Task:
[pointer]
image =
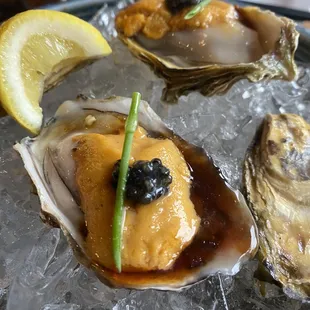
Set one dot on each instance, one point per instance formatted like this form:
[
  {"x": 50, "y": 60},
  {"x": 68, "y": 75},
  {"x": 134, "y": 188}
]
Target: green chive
[
  {"x": 130, "y": 128},
  {"x": 196, "y": 9}
]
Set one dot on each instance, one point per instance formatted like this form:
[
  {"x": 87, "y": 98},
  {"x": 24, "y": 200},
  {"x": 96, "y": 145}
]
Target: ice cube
[{"x": 48, "y": 277}]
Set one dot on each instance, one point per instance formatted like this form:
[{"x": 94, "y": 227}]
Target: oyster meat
[
  {"x": 211, "y": 51},
  {"x": 199, "y": 228},
  {"x": 277, "y": 180}
]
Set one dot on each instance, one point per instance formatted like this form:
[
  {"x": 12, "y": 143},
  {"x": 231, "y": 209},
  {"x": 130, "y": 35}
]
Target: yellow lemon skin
[{"x": 37, "y": 49}]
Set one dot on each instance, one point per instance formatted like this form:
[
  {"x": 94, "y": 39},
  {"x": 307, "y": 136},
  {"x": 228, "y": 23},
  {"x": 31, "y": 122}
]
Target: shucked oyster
[
  {"x": 211, "y": 51},
  {"x": 200, "y": 227},
  {"x": 277, "y": 183}
]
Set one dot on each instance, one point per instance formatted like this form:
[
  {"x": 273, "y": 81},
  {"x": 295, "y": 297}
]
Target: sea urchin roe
[
  {"x": 153, "y": 236},
  {"x": 154, "y": 20}
]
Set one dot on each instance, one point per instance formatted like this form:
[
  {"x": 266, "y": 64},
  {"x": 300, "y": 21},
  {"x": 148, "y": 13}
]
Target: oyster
[
  {"x": 212, "y": 229},
  {"x": 213, "y": 50},
  {"x": 277, "y": 183}
]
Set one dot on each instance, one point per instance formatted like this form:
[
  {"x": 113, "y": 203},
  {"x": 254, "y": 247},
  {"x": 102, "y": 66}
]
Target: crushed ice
[{"x": 46, "y": 276}]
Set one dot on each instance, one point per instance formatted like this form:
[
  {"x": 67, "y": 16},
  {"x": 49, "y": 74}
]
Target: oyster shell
[
  {"x": 259, "y": 45},
  {"x": 277, "y": 183},
  {"x": 227, "y": 235}
]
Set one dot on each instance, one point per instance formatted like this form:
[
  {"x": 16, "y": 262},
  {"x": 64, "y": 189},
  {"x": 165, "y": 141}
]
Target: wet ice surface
[{"x": 36, "y": 261}]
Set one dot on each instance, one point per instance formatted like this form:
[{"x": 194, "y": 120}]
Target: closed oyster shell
[
  {"x": 277, "y": 180},
  {"x": 277, "y": 36},
  {"x": 227, "y": 236}
]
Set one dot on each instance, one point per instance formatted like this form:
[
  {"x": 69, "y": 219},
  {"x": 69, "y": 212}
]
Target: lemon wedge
[{"x": 37, "y": 49}]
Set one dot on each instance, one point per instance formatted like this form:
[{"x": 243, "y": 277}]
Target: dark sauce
[
  {"x": 222, "y": 219},
  {"x": 224, "y": 223},
  {"x": 218, "y": 208}
]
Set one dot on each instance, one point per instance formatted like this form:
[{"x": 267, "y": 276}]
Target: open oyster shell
[
  {"x": 277, "y": 37},
  {"x": 277, "y": 184},
  {"x": 227, "y": 237}
]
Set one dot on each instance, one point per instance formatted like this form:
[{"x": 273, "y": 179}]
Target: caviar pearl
[
  {"x": 175, "y": 6},
  {"x": 147, "y": 180}
]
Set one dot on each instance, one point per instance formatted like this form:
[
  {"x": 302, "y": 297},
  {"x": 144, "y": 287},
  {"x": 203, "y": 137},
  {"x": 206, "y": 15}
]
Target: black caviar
[
  {"x": 174, "y": 6},
  {"x": 146, "y": 182}
]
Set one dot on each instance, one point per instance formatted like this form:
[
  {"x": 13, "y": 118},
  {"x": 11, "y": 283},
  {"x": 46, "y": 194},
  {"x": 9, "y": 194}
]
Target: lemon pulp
[{"x": 38, "y": 48}]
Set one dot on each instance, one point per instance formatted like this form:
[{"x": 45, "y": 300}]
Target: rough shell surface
[
  {"x": 277, "y": 180},
  {"x": 280, "y": 42},
  {"x": 60, "y": 205}
]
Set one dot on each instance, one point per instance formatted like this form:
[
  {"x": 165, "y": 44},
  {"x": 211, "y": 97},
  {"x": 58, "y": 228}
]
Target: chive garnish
[
  {"x": 130, "y": 128},
  {"x": 196, "y": 9}
]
